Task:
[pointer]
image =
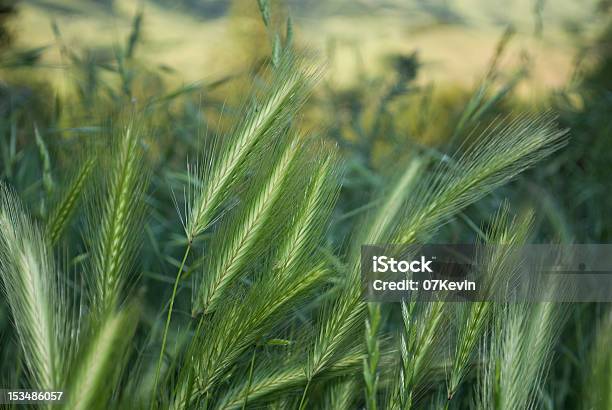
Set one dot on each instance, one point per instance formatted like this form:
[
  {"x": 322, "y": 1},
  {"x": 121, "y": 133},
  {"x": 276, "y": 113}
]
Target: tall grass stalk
[
  {"x": 380, "y": 230},
  {"x": 503, "y": 151},
  {"x": 598, "y": 386},
  {"x": 517, "y": 359},
  {"x": 235, "y": 248},
  {"x": 420, "y": 335},
  {"x": 264, "y": 121},
  {"x": 292, "y": 275},
  {"x": 30, "y": 284},
  {"x": 121, "y": 203},
  {"x": 311, "y": 217},
  {"x": 98, "y": 367},
  {"x": 235, "y": 327},
  {"x": 61, "y": 213},
  {"x": 499, "y": 269}
]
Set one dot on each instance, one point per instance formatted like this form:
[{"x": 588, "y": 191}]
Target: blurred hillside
[{"x": 203, "y": 39}]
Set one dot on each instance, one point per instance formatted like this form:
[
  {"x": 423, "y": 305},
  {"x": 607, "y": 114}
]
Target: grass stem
[
  {"x": 167, "y": 325},
  {"x": 246, "y": 397},
  {"x": 303, "y": 399}
]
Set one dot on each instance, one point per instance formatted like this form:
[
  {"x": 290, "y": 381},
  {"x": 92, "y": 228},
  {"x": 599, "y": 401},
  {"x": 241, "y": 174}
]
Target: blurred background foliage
[{"x": 401, "y": 79}]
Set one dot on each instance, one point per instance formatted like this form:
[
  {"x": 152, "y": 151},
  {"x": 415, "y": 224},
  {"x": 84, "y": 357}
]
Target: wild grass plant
[{"x": 134, "y": 280}]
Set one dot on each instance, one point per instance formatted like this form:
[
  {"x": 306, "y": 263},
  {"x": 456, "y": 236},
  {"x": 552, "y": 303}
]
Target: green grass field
[{"x": 185, "y": 189}]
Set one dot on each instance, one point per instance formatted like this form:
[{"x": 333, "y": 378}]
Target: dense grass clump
[{"x": 161, "y": 252}]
